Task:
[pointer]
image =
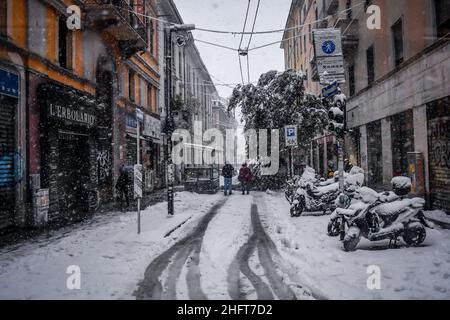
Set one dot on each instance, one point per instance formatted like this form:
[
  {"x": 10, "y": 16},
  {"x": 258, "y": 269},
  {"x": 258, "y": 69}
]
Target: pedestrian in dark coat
[
  {"x": 245, "y": 177},
  {"x": 227, "y": 173},
  {"x": 122, "y": 186}
]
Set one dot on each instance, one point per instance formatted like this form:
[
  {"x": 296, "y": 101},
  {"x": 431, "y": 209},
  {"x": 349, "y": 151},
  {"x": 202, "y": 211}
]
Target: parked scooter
[
  {"x": 386, "y": 216},
  {"x": 315, "y": 196}
]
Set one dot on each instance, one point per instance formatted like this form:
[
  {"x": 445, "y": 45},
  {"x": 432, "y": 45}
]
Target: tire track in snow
[
  {"x": 151, "y": 287},
  {"x": 264, "y": 245}
]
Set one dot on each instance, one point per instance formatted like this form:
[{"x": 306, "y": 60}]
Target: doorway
[{"x": 73, "y": 175}]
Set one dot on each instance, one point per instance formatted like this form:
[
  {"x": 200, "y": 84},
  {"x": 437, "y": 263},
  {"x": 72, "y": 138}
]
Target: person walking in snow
[
  {"x": 122, "y": 187},
  {"x": 227, "y": 173},
  {"x": 245, "y": 176}
]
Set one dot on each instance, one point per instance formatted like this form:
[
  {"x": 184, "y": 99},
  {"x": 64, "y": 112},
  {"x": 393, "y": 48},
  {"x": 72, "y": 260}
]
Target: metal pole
[
  {"x": 170, "y": 205},
  {"x": 291, "y": 156},
  {"x": 138, "y": 144},
  {"x": 341, "y": 163}
]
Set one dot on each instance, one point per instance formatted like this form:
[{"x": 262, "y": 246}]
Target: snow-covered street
[{"x": 238, "y": 247}]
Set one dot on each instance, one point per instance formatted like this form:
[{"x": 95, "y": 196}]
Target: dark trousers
[
  {"x": 123, "y": 193},
  {"x": 245, "y": 187}
]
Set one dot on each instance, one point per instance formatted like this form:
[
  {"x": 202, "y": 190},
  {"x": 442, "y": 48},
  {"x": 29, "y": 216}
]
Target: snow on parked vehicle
[{"x": 315, "y": 196}]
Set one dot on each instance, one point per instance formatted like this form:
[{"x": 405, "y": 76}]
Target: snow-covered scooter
[
  {"x": 313, "y": 196},
  {"x": 389, "y": 216}
]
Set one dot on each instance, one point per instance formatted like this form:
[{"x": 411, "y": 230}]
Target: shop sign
[
  {"x": 152, "y": 127},
  {"x": 9, "y": 84},
  {"x": 131, "y": 123},
  {"x": 72, "y": 115}
]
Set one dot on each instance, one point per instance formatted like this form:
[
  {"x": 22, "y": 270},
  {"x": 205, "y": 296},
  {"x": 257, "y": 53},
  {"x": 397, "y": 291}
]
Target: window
[
  {"x": 442, "y": 8},
  {"x": 375, "y": 154},
  {"x": 150, "y": 98},
  {"x": 64, "y": 44},
  {"x": 348, "y": 7},
  {"x": 370, "y": 65},
  {"x": 131, "y": 85},
  {"x": 351, "y": 80},
  {"x": 310, "y": 34},
  {"x": 151, "y": 36},
  {"x": 397, "y": 33},
  {"x": 3, "y": 17},
  {"x": 402, "y": 133},
  {"x": 180, "y": 66}
]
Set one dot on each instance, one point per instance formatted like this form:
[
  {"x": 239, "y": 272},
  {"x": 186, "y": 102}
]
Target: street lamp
[{"x": 169, "y": 121}]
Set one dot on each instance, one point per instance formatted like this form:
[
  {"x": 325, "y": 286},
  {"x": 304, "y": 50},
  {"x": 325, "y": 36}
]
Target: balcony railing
[
  {"x": 120, "y": 19},
  {"x": 331, "y": 6},
  {"x": 350, "y": 33}
]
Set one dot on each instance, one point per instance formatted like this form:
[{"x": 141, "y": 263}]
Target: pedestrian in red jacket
[{"x": 245, "y": 176}]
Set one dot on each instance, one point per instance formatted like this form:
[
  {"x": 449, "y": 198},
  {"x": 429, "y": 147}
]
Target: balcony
[
  {"x": 331, "y": 6},
  {"x": 350, "y": 34},
  {"x": 121, "y": 21}
]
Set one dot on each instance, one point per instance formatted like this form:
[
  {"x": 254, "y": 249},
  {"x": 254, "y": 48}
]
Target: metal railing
[{"x": 125, "y": 11}]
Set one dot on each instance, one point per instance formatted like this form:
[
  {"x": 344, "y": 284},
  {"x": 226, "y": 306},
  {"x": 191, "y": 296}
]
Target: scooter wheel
[
  {"x": 333, "y": 228},
  {"x": 296, "y": 211},
  {"x": 351, "y": 239},
  {"x": 414, "y": 234}
]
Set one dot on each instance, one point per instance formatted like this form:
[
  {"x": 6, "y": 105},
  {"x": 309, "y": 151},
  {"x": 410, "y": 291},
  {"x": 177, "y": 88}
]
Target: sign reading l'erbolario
[{"x": 69, "y": 114}]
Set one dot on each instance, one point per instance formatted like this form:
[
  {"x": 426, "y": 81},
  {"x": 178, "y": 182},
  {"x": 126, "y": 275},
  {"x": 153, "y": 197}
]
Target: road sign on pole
[
  {"x": 138, "y": 168},
  {"x": 330, "y": 90},
  {"x": 328, "y": 55},
  {"x": 327, "y": 42},
  {"x": 138, "y": 193},
  {"x": 331, "y": 69},
  {"x": 290, "y": 133}
]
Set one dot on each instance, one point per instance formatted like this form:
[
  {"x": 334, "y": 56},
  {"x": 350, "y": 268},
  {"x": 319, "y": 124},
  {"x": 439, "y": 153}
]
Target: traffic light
[{"x": 336, "y": 116}]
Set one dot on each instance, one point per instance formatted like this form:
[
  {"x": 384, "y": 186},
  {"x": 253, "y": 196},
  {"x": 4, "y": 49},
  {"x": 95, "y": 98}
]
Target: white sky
[{"x": 229, "y": 15}]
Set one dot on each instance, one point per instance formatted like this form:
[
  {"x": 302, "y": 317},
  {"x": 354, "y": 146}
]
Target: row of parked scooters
[{"x": 360, "y": 211}]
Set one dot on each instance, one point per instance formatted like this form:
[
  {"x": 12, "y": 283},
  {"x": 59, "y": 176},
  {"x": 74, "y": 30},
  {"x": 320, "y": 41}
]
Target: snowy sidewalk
[
  {"x": 406, "y": 273},
  {"x": 110, "y": 254}
]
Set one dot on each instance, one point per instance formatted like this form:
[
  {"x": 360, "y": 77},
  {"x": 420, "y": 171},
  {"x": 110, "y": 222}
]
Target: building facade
[
  {"x": 67, "y": 101},
  {"x": 192, "y": 89},
  {"x": 396, "y": 88}
]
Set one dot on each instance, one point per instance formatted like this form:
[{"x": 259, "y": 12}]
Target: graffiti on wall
[
  {"x": 11, "y": 169},
  {"x": 440, "y": 142},
  {"x": 104, "y": 165}
]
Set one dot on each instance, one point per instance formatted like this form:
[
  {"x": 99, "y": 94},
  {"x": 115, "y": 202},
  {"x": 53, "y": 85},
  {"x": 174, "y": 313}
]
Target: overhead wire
[
  {"x": 250, "y": 39},
  {"x": 242, "y": 39},
  {"x": 245, "y": 32}
]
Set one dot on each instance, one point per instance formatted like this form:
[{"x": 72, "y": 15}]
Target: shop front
[
  {"x": 438, "y": 114},
  {"x": 152, "y": 153},
  {"x": 150, "y": 149},
  {"x": 68, "y": 144}
]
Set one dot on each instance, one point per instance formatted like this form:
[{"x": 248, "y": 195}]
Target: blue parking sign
[
  {"x": 291, "y": 132},
  {"x": 291, "y": 135}
]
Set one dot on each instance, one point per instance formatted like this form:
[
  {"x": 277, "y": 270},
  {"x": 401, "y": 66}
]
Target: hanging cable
[
  {"x": 240, "y": 67},
  {"x": 216, "y": 45},
  {"x": 244, "y": 32},
  {"x": 240, "y": 51},
  {"x": 245, "y": 24},
  {"x": 250, "y": 39}
]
